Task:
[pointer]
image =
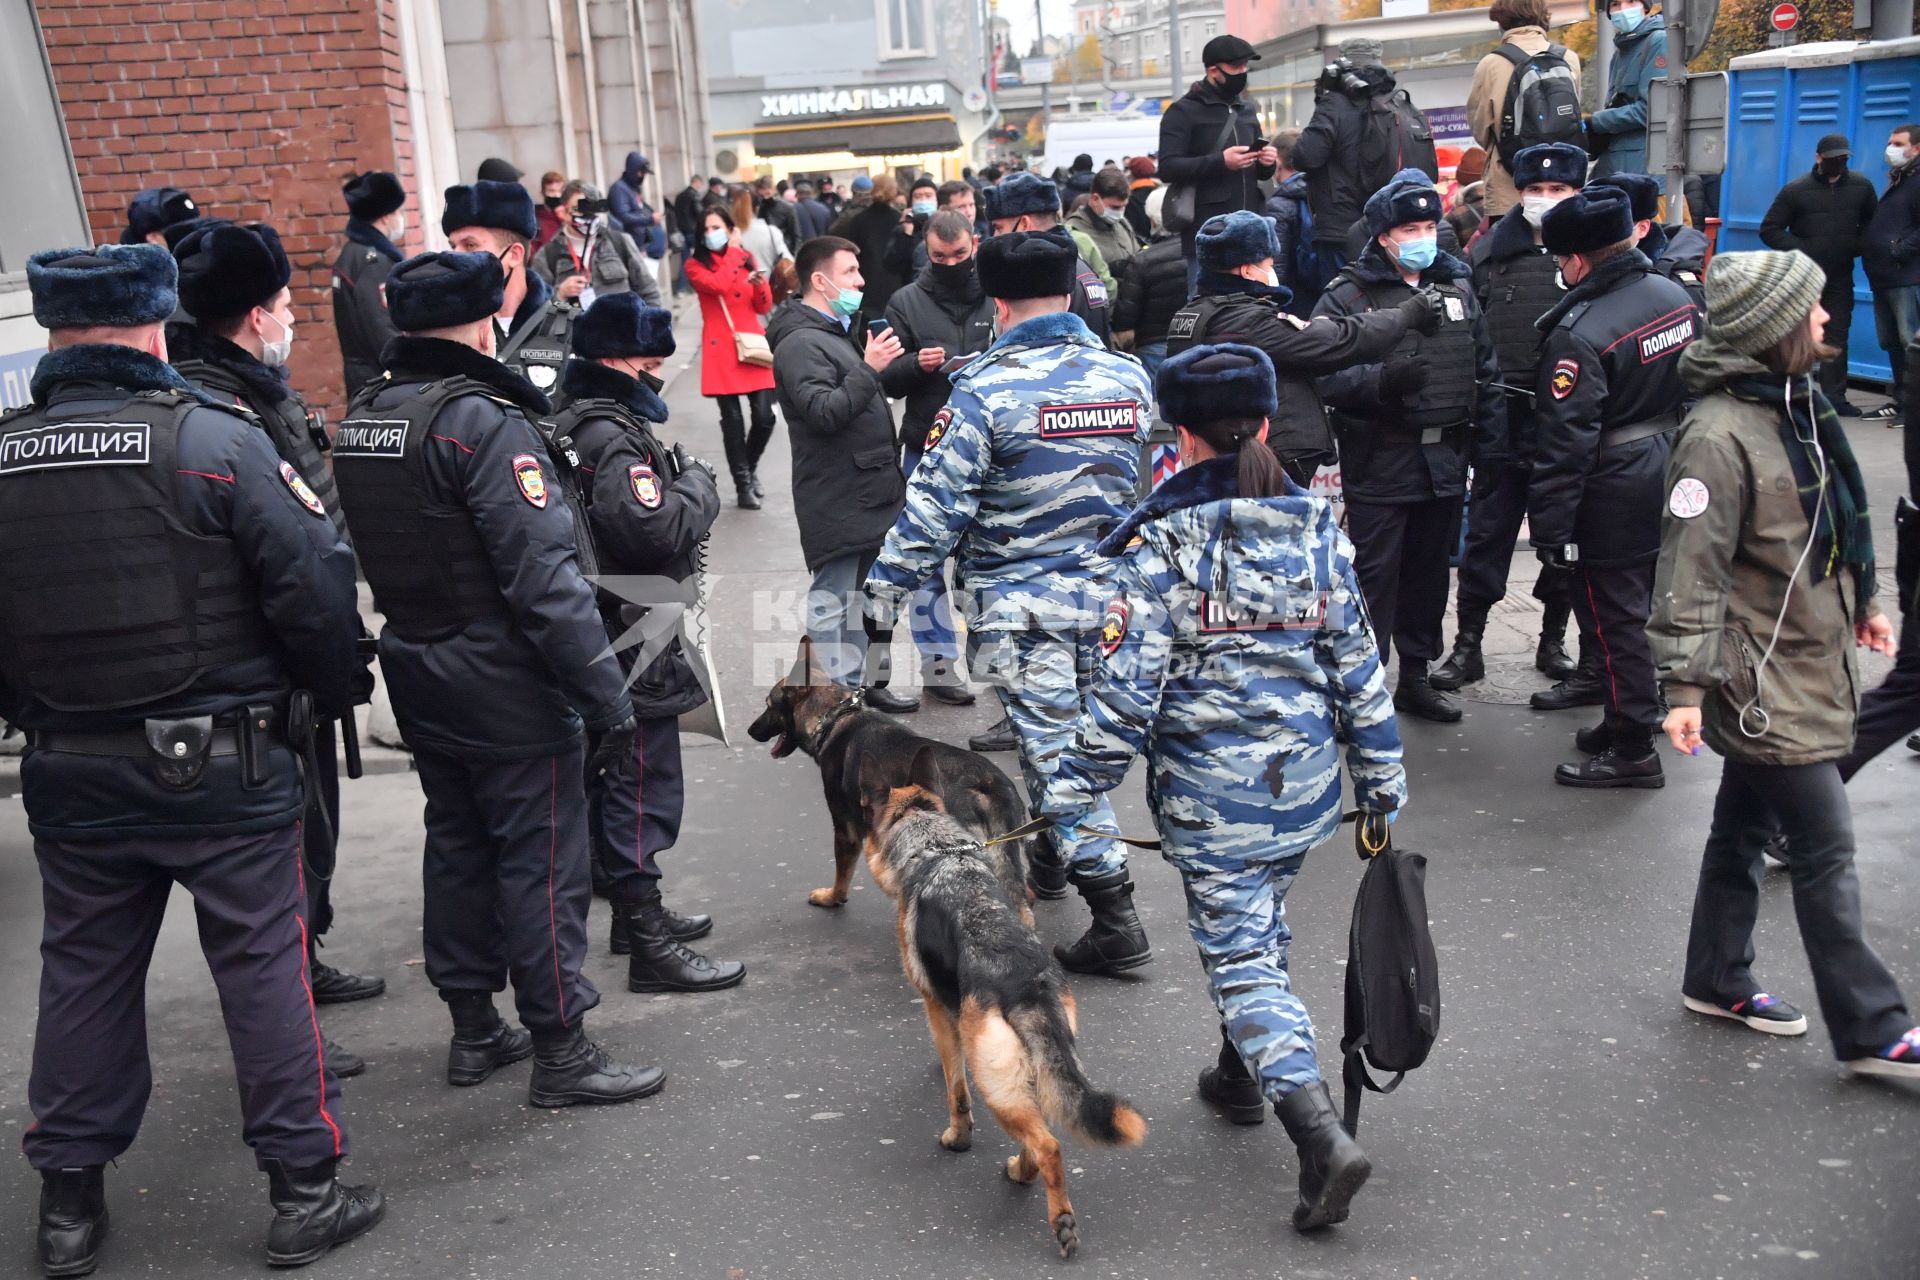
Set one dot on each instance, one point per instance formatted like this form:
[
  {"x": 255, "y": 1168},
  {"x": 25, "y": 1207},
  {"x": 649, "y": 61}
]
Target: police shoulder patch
[
  {"x": 938, "y": 431},
  {"x": 1113, "y": 627},
  {"x": 531, "y": 479},
  {"x": 646, "y": 485},
  {"x": 1566, "y": 376},
  {"x": 301, "y": 489}
]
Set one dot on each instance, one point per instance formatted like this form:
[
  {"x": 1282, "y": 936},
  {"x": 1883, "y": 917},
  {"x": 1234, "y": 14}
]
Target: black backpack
[
  {"x": 1393, "y": 975},
  {"x": 1394, "y": 135},
  {"x": 1543, "y": 101}
]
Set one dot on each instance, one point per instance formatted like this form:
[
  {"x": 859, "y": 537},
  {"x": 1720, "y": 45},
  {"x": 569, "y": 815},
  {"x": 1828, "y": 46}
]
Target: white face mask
[
  {"x": 1896, "y": 156},
  {"x": 1534, "y": 208},
  {"x": 1273, "y": 278},
  {"x": 274, "y": 354},
  {"x": 399, "y": 227}
]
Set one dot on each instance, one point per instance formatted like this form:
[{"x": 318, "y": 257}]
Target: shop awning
[{"x": 885, "y": 136}]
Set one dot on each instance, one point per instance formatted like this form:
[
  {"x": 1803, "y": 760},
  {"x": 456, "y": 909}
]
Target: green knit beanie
[{"x": 1755, "y": 299}]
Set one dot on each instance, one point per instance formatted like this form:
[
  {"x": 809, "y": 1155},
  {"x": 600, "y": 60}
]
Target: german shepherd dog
[
  {"x": 996, "y": 1000},
  {"x": 811, "y": 714}
]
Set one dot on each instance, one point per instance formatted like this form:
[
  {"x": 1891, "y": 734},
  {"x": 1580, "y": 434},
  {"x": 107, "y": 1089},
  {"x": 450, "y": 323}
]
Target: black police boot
[
  {"x": 1581, "y": 689},
  {"x": 1115, "y": 941},
  {"x": 943, "y": 684},
  {"x": 1466, "y": 664},
  {"x": 482, "y": 1040},
  {"x": 342, "y": 1061},
  {"x": 1417, "y": 697},
  {"x": 313, "y": 1212},
  {"x": 1332, "y": 1165},
  {"x": 73, "y": 1219},
  {"x": 680, "y": 928},
  {"x": 1231, "y": 1089},
  {"x": 1046, "y": 869},
  {"x": 661, "y": 962},
  {"x": 1629, "y": 762},
  {"x": 336, "y": 986},
  {"x": 569, "y": 1069},
  {"x": 1550, "y": 657},
  {"x": 743, "y": 490},
  {"x": 998, "y": 736},
  {"x": 1594, "y": 739},
  {"x": 894, "y": 703}
]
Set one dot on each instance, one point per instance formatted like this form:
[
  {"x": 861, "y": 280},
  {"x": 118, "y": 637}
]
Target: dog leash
[{"x": 1026, "y": 829}]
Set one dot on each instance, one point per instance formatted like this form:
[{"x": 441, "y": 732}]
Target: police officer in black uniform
[
  {"x": 375, "y": 223},
  {"x": 1678, "y": 253},
  {"x": 650, "y": 509},
  {"x": 1517, "y": 283},
  {"x": 1241, "y": 300},
  {"x": 1606, "y": 406},
  {"x": 175, "y": 606},
  {"x": 233, "y": 279},
  {"x": 492, "y": 653},
  {"x": 534, "y": 329},
  {"x": 1408, "y": 428},
  {"x": 1028, "y": 202}
]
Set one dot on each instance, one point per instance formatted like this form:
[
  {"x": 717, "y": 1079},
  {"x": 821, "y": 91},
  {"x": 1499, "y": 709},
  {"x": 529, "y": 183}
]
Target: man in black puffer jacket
[
  {"x": 1825, "y": 215},
  {"x": 1153, "y": 290},
  {"x": 492, "y": 651},
  {"x": 1207, "y": 137},
  {"x": 650, "y": 509}
]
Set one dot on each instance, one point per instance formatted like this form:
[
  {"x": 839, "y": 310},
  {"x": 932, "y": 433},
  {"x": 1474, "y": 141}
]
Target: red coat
[{"x": 726, "y": 279}]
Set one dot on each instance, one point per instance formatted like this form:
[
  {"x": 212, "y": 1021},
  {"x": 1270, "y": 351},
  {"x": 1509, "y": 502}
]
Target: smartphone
[
  {"x": 1261, "y": 144},
  {"x": 877, "y": 327}
]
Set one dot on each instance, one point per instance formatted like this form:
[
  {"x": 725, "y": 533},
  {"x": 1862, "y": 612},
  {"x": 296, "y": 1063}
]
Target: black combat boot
[
  {"x": 482, "y": 1040},
  {"x": 1332, "y": 1165},
  {"x": 569, "y": 1069},
  {"x": 1046, "y": 869},
  {"x": 342, "y": 1061},
  {"x": 1550, "y": 657},
  {"x": 1594, "y": 739},
  {"x": 1466, "y": 664},
  {"x": 313, "y": 1212},
  {"x": 337, "y": 986},
  {"x": 944, "y": 684},
  {"x": 661, "y": 962},
  {"x": 1581, "y": 689},
  {"x": 999, "y": 736},
  {"x": 744, "y": 491},
  {"x": 1115, "y": 941},
  {"x": 1230, "y": 1088},
  {"x": 680, "y": 928},
  {"x": 1629, "y": 761},
  {"x": 73, "y": 1219},
  {"x": 1417, "y": 697}
]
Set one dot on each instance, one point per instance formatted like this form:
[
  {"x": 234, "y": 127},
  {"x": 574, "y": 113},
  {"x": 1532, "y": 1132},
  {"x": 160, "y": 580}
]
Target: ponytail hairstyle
[{"x": 1260, "y": 475}]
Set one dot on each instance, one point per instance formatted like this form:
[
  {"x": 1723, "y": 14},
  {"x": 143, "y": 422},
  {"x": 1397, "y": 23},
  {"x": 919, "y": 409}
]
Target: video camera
[
  {"x": 591, "y": 208},
  {"x": 1341, "y": 74}
]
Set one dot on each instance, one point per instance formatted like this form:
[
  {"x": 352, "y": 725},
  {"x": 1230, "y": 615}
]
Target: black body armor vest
[
  {"x": 1448, "y": 354},
  {"x": 109, "y": 600},
  {"x": 298, "y": 433},
  {"x": 1520, "y": 290}
]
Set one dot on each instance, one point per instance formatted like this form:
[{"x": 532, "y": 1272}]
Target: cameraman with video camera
[{"x": 592, "y": 257}]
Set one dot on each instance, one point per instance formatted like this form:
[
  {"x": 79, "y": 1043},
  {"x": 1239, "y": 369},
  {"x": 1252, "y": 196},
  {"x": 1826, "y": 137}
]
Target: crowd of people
[{"x": 1537, "y": 341}]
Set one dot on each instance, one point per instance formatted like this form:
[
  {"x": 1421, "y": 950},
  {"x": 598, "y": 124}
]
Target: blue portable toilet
[{"x": 1780, "y": 104}]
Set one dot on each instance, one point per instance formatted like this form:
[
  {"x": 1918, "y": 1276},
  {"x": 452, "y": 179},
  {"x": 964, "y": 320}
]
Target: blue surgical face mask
[
  {"x": 1417, "y": 255},
  {"x": 924, "y": 208},
  {"x": 847, "y": 302},
  {"x": 1628, "y": 20},
  {"x": 716, "y": 240}
]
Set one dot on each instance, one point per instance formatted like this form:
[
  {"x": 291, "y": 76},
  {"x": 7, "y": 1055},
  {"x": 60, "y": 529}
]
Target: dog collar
[{"x": 831, "y": 721}]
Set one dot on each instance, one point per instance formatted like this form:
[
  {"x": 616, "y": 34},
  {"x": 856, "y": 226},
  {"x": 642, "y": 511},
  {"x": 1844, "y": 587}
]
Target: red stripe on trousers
[
  {"x": 553, "y": 843},
  {"x": 306, "y": 983},
  {"x": 1606, "y": 652}
]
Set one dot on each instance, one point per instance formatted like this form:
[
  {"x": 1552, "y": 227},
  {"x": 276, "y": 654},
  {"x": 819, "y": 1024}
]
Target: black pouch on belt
[
  {"x": 180, "y": 749},
  {"x": 253, "y": 732}
]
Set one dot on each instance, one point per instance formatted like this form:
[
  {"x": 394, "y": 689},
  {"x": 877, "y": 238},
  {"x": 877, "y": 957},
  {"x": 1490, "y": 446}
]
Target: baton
[{"x": 350, "y": 745}]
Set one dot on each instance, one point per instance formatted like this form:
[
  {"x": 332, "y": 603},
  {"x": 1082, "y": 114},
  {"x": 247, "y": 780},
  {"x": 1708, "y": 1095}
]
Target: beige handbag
[{"x": 748, "y": 348}]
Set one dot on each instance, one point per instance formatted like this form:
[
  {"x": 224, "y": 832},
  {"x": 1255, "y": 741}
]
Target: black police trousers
[
  {"x": 634, "y": 811},
  {"x": 507, "y": 882},
  {"x": 104, "y": 901},
  {"x": 1400, "y": 556},
  {"x": 1493, "y": 531},
  {"x": 1612, "y": 605}
]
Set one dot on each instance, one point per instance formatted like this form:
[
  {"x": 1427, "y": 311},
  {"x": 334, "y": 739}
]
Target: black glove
[
  {"x": 1425, "y": 310},
  {"x": 1486, "y": 478},
  {"x": 1555, "y": 558},
  {"x": 615, "y": 745},
  {"x": 687, "y": 462},
  {"x": 1402, "y": 378}
]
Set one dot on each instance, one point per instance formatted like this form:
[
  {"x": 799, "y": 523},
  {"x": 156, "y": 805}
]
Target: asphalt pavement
[{"x": 1573, "y": 1121}]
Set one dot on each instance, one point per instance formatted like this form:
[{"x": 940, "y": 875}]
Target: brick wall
[{"x": 259, "y": 109}]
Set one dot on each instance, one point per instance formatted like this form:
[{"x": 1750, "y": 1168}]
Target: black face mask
[
  {"x": 649, "y": 381},
  {"x": 953, "y": 277},
  {"x": 1232, "y": 85},
  {"x": 1833, "y": 166},
  {"x": 554, "y": 202}
]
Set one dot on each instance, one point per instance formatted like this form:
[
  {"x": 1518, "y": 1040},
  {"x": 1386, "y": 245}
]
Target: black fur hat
[
  {"x": 1549, "y": 162},
  {"x": 622, "y": 324},
  {"x": 178, "y": 231},
  {"x": 228, "y": 269},
  {"x": 502, "y": 205},
  {"x": 444, "y": 290},
  {"x": 1210, "y": 383},
  {"x": 1230, "y": 240},
  {"x": 1589, "y": 220},
  {"x": 120, "y": 286},
  {"x": 156, "y": 209},
  {"x": 1409, "y": 196},
  {"x": 1642, "y": 192},
  {"x": 1027, "y": 264},
  {"x": 1018, "y": 194},
  {"x": 373, "y": 195}
]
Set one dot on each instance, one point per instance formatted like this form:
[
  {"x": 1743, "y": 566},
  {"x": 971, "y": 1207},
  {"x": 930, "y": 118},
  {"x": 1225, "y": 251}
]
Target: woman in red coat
[{"x": 733, "y": 293}]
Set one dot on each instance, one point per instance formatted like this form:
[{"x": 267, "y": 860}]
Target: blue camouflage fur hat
[
  {"x": 1237, "y": 239},
  {"x": 1409, "y": 196},
  {"x": 1021, "y": 193},
  {"x": 621, "y": 325},
  {"x": 1549, "y": 162},
  {"x": 1588, "y": 220},
  {"x": 1642, "y": 192},
  {"x": 116, "y": 286},
  {"x": 502, "y": 205},
  {"x": 444, "y": 290},
  {"x": 1215, "y": 383}
]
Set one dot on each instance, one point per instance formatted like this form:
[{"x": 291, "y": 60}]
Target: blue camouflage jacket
[
  {"x": 1237, "y": 654},
  {"x": 1030, "y": 464}
]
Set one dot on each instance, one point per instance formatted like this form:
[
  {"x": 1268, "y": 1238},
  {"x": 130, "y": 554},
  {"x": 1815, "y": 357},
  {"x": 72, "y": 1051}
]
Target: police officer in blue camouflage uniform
[
  {"x": 1031, "y": 463},
  {"x": 1028, "y": 202},
  {"x": 1236, "y": 652}
]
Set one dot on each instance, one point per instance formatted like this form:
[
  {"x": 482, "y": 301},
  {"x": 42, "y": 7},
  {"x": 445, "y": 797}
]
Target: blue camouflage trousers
[
  {"x": 1237, "y": 914},
  {"x": 1037, "y": 674}
]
